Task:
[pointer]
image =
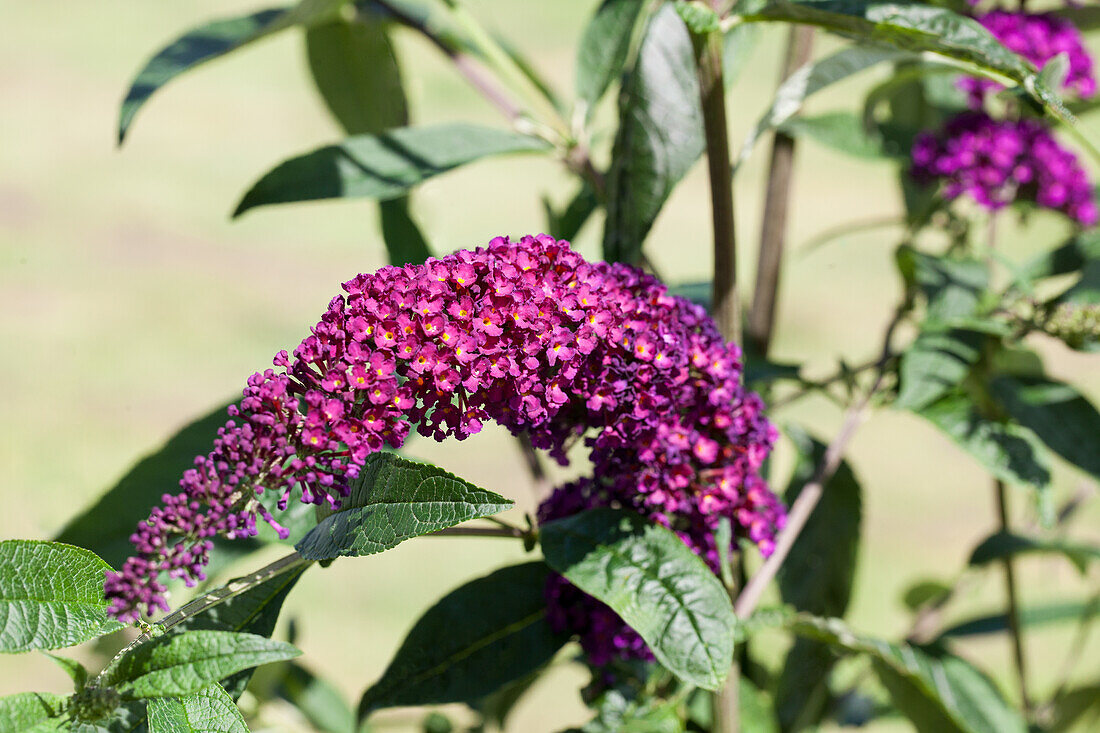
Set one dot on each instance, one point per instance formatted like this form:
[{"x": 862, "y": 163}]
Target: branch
[
  {"x": 1012, "y": 598},
  {"x": 774, "y": 229}
]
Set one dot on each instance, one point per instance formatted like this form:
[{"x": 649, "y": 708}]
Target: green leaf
[
  {"x": 811, "y": 78},
  {"x": 1071, "y": 256},
  {"x": 25, "y": 712},
  {"x": 255, "y": 611},
  {"x": 698, "y": 17},
  {"x": 1005, "y": 544},
  {"x": 1062, "y": 418},
  {"x": 952, "y": 286},
  {"x": 567, "y": 223},
  {"x": 51, "y": 596},
  {"x": 924, "y": 592},
  {"x": 176, "y": 665},
  {"x": 321, "y": 703},
  {"x": 497, "y": 706},
  {"x": 841, "y": 131},
  {"x": 382, "y": 166},
  {"x": 817, "y": 577},
  {"x": 659, "y": 587},
  {"x": 916, "y": 28},
  {"x": 355, "y": 70},
  {"x": 938, "y": 692},
  {"x": 405, "y": 243},
  {"x": 210, "y": 710},
  {"x": 1052, "y": 613},
  {"x": 604, "y": 48},
  {"x": 106, "y": 526},
  {"x": 76, "y": 671},
  {"x": 617, "y": 712},
  {"x": 195, "y": 47},
  {"x": 659, "y": 139},
  {"x": 737, "y": 47},
  {"x": 393, "y": 500},
  {"x": 1010, "y": 452},
  {"x": 936, "y": 363},
  {"x": 1081, "y": 705},
  {"x": 473, "y": 641}
]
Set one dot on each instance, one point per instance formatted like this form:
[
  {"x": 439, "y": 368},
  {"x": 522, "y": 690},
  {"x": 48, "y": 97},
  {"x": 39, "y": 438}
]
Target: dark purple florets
[
  {"x": 998, "y": 162},
  {"x": 524, "y": 333}
]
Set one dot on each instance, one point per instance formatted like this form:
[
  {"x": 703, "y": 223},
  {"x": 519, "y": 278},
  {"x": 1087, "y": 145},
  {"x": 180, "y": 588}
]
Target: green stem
[
  {"x": 232, "y": 589},
  {"x": 542, "y": 109},
  {"x": 1014, "y": 627}
]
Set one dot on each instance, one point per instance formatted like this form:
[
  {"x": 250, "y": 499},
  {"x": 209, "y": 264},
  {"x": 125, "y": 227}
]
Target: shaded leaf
[
  {"x": 1005, "y": 544},
  {"x": 567, "y": 223},
  {"x": 1071, "y": 256},
  {"x": 924, "y": 592},
  {"x": 405, "y": 243},
  {"x": 1081, "y": 705},
  {"x": 817, "y": 577},
  {"x": 841, "y": 131},
  {"x": 1060, "y": 415},
  {"x": 393, "y": 500},
  {"x": 659, "y": 587},
  {"x": 659, "y": 139},
  {"x": 1029, "y": 617},
  {"x": 382, "y": 166},
  {"x": 176, "y": 665},
  {"x": 210, "y": 710},
  {"x": 916, "y": 28},
  {"x": 809, "y": 79},
  {"x": 51, "y": 596},
  {"x": 938, "y": 692},
  {"x": 25, "y": 712},
  {"x": 255, "y": 611},
  {"x": 106, "y": 526},
  {"x": 355, "y": 70},
  {"x": 1010, "y": 452},
  {"x": 503, "y": 635},
  {"x": 952, "y": 286},
  {"x": 604, "y": 47},
  {"x": 321, "y": 703},
  {"x": 936, "y": 363}
]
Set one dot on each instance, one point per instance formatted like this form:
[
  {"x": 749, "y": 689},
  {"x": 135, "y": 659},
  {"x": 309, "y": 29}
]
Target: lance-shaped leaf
[
  {"x": 51, "y": 596},
  {"x": 648, "y": 576},
  {"x": 393, "y": 500},
  {"x": 1001, "y": 545},
  {"x": 1044, "y": 615},
  {"x": 177, "y": 665},
  {"x": 604, "y": 47},
  {"x": 1060, "y": 415},
  {"x": 356, "y": 72},
  {"x": 32, "y": 712},
  {"x": 255, "y": 611},
  {"x": 917, "y": 28},
  {"x": 952, "y": 286},
  {"x": 106, "y": 526},
  {"x": 817, "y": 578},
  {"x": 209, "y": 42},
  {"x": 566, "y": 223},
  {"x": 935, "y": 690},
  {"x": 660, "y": 135},
  {"x": 843, "y": 132},
  {"x": 935, "y": 364},
  {"x": 382, "y": 166},
  {"x": 1071, "y": 256},
  {"x": 477, "y": 638},
  {"x": 322, "y": 704},
  {"x": 210, "y": 710},
  {"x": 1010, "y": 452},
  {"x": 811, "y": 78}
]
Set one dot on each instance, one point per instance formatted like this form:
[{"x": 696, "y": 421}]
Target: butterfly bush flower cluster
[
  {"x": 998, "y": 162},
  {"x": 527, "y": 334},
  {"x": 995, "y": 161}
]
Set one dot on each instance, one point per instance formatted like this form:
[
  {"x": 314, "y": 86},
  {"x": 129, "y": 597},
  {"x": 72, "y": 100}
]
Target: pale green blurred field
[{"x": 129, "y": 303}]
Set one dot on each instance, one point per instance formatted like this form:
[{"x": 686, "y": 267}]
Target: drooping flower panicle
[
  {"x": 997, "y": 162},
  {"x": 527, "y": 334}
]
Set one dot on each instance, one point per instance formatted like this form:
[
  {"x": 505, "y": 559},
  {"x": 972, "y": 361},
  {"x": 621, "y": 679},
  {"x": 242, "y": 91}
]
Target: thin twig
[
  {"x": 1012, "y": 598},
  {"x": 776, "y": 204}
]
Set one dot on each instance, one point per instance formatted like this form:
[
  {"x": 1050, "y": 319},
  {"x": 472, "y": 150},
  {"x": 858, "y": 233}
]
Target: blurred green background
[{"x": 129, "y": 304}]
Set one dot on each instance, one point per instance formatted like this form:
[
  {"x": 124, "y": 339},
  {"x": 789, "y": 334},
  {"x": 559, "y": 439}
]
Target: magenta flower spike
[{"x": 527, "y": 334}]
